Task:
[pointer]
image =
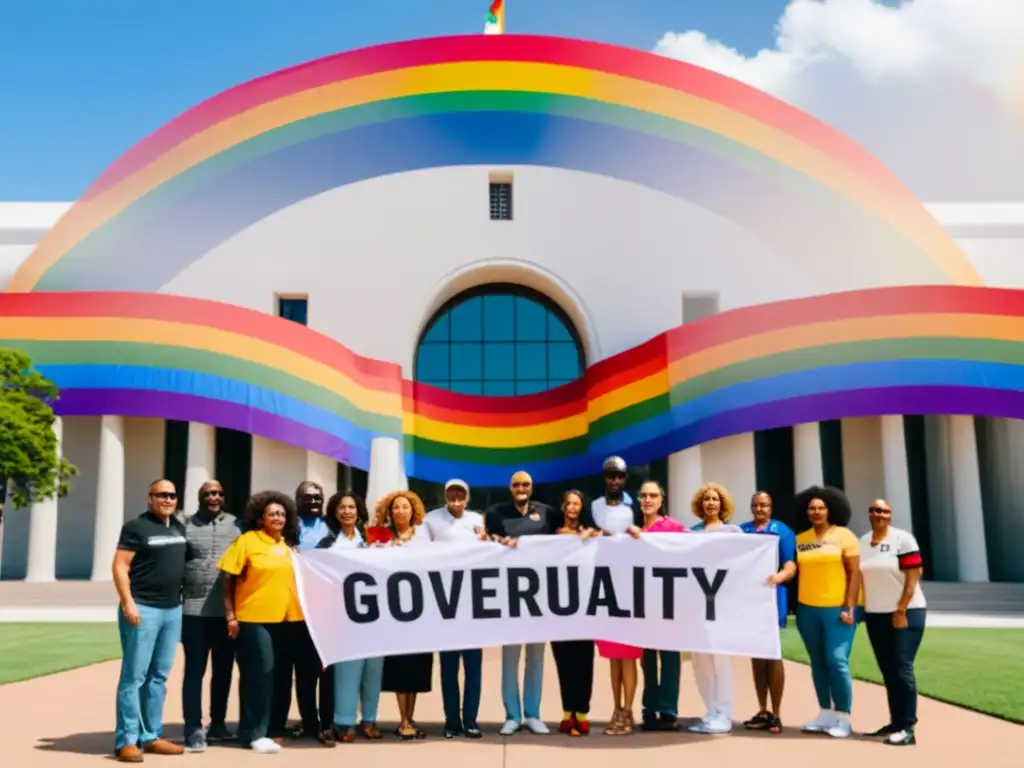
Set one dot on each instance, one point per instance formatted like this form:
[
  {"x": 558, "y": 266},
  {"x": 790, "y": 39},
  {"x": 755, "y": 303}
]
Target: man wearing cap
[
  {"x": 453, "y": 522},
  {"x": 613, "y": 513},
  {"x": 506, "y": 522}
]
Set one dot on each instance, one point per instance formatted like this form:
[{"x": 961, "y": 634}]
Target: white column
[
  {"x": 324, "y": 470},
  {"x": 969, "y": 518},
  {"x": 387, "y": 470},
  {"x": 109, "y": 496},
  {"x": 685, "y": 476},
  {"x": 201, "y": 464},
  {"x": 807, "y": 465},
  {"x": 895, "y": 472},
  {"x": 42, "y": 529}
]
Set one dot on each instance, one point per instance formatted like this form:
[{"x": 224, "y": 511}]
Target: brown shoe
[
  {"x": 163, "y": 747},
  {"x": 129, "y": 753}
]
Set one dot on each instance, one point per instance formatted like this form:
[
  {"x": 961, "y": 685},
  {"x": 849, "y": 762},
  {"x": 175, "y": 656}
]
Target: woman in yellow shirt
[
  {"x": 261, "y": 603},
  {"x": 828, "y": 564}
]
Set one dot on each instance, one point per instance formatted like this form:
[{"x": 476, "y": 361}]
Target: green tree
[{"x": 29, "y": 460}]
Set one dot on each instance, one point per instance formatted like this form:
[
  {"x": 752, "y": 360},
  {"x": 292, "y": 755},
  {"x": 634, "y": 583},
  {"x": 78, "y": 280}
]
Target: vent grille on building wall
[{"x": 501, "y": 201}]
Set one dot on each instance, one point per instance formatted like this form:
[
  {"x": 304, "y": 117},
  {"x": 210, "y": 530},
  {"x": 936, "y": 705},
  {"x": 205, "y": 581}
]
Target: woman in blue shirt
[{"x": 770, "y": 674}]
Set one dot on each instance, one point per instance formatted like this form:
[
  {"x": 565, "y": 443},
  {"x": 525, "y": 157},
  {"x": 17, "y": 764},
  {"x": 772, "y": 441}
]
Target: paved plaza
[{"x": 65, "y": 721}]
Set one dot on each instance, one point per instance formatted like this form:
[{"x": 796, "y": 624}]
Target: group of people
[{"x": 226, "y": 590}]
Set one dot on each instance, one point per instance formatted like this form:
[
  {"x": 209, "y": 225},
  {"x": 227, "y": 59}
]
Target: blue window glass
[
  {"x": 295, "y": 310},
  {"x": 432, "y": 362},
  {"x": 563, "y": 361},
  {"x": 500, "y": 388},
  {"x": 500, "y": 361},
  {"x": 500, "y": 319},
  {"x": 501, "y": 341},
  {"x": 530, "y": 362},
  {"x": 524, "y": 387},
  {"x": 467, "y": 321},
  {"x": 438, "y": 331},
  {"x": 531, "y": 320},
  {"x": 467, "y": 361}
]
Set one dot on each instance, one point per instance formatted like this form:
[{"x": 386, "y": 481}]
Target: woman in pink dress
[
  {"x": 662, "y": 669},
  {"x": 622, "y": 660}
]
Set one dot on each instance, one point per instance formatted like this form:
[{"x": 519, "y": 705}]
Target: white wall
[
  {"x": 730, "y": 461},
  {"x": 999, "y": 260},
  {"x": 619, "y": 247},
  {"x": 76, "y": 512},
  {"x": 143, "y": 461},
  {"x": 863, "y": 471},
  {"x": 276, "y": 466}
]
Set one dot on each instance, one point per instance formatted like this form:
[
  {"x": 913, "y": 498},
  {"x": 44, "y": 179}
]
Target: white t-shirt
[
  {"x": 882, "y": 567},
  {"x": 443, "y": 527},
  {"x": 343, "y": 542},
  {"x": 614, "y": 519}
]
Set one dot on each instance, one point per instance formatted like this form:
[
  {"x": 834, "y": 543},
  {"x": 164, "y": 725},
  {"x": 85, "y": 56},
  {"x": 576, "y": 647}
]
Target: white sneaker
[
  {"x": 510, "y": 727},
  {"x": 825, "y": 720},
  {"x": 842, "y": 727},
  {"x": 536, "y": 725},
  {"x": 720, "y": 724},
  {"x": 265, "y": 746}
]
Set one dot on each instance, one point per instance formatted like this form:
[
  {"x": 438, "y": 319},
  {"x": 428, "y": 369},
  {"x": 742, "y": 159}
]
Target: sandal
[
  {"x": 326, "y": 737},
  {"x": 347, "y": 736},
  {"x": 628, "y": 724},
  {"x": 774, "y": 724},
  {"x": 404, "y": 734},
  {"x": 758, "y": 722},
  {"x": 615, "y": 724},
  {"x": 371, "y": 732}
]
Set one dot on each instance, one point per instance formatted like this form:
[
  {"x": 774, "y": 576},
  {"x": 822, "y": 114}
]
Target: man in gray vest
[{"x": 204, "y": 633}]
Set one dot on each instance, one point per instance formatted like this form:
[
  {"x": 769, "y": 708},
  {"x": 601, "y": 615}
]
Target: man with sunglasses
[
  {"x": 148, "y": 572},
  {"x": 204, "y": 631}
]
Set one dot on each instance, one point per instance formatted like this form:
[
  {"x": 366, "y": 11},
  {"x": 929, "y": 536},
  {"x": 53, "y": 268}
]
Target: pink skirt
[{"x": 609, "y": 650}]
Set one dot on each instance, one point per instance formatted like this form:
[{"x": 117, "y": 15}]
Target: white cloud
[{"x": 935, "y": 88}]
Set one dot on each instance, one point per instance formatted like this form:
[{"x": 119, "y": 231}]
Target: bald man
[{"x": 506, "y": 522}]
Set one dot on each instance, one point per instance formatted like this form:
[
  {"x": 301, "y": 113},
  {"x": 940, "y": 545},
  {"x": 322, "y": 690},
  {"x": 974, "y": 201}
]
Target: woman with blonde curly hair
[
  {"x": 714, "y": 506},
  {"x": 410, "y": 674}
]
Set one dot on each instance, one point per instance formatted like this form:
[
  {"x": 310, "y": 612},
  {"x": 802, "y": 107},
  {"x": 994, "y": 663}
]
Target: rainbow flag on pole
[{"x": 495, "y": 23}]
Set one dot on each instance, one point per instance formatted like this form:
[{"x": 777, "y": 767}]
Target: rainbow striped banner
[{"x": 907, "y": 350}]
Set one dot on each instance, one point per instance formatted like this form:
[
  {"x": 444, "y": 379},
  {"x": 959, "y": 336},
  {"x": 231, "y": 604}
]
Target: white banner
[{"x": 701, "y": 592}]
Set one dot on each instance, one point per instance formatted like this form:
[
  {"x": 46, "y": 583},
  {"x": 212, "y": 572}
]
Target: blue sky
[{"x": 83, "y": 80}]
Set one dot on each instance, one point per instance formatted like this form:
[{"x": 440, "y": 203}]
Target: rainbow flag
[{"x": 495, "y": 23}]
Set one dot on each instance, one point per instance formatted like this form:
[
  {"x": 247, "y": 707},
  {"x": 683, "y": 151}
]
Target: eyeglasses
[
  {"x": 615, "y": 475},
  {"x": 880, "y": 510},
  {"x": 214, "y": 493},
  {"x": 165, "y": 495},
  {"x": 521, "y": 485}
]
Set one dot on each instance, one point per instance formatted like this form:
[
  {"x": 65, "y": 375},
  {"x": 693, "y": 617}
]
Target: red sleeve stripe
[{"x": 910, "y": 560}]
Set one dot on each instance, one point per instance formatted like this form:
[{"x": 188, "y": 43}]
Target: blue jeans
[
  {"x": 357, "y": 682},
  {"x": 147, "y": 656},
  {"x": 457, "y": 717},
  {"x": 829, "y": 642},
  {"x": 533, "y": 681}
]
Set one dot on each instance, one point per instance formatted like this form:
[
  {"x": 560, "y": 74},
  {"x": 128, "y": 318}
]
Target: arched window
[{"x": 501, "y": 340}]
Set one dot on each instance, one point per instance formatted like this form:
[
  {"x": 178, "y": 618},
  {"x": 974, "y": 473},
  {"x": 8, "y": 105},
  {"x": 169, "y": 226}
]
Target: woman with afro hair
[{"x": 828, "y": 564}]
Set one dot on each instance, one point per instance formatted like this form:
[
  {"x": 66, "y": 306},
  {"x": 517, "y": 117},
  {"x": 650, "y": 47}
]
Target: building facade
[{"x": 520, "y": 256}]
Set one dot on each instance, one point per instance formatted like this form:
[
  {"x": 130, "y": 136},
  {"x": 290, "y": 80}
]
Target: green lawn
[
  {"x": 980, "y": 669},
  {"x": 32, "y": 650},
  {"x": 976, "y": 668}
]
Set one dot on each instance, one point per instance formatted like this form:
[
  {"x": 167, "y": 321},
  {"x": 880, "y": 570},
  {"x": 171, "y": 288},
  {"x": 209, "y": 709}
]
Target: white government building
[{"x": 953, "y": 479}]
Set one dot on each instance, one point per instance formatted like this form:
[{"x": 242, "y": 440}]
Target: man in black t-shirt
[
  {"x": 504, "y": 522},
  {"x": 149, "y": 568}
]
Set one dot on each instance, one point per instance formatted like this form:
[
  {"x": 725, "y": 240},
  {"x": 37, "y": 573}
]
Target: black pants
[
  {"x": 310, "y": 679},
  {"x": 895, "y": 650},
  {"x": 205, "y": 638},
  {"x": 265, "y": 657},
  {"x": 574, "y": 660}
]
